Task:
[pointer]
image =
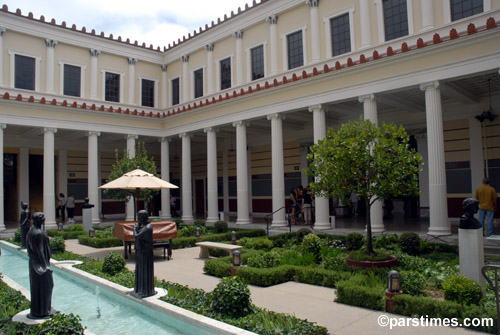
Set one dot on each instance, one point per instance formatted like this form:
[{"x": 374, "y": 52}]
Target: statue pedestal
[
  {"x": 87, "y": 218},
  {"x": 471, "y": 250}
]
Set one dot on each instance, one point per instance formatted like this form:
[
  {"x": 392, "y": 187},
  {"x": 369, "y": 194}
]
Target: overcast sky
[{"x": 157, "y": 22}]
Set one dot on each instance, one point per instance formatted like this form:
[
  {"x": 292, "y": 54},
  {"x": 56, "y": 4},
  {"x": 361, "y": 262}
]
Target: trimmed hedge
[
  {"x": 266, "y": 277},
  {"x": 187, "y": 242},
  {"x": 320, "y": 277},
  {"x": 67, "y": 235},
  {"x": 100, "y": 242},
  {"x": 362, "y": 296},
  {"x": 217, "y": 268}
]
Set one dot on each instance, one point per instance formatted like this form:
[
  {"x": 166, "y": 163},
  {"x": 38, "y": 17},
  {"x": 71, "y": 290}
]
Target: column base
[
  {"x": 50, "y": 225},
  {"x": 212, "y": 220},
  {"x": 243, "y": 221},
  {"x": 166, "y": 218},
  {"x": 378, "y": 229},
  {"x": 439, "y": 231},
  {"x": 187, "y": 219},
  {"x": 280, "y": 223},
  {"x": 96, "y": 221},
  {"x": 322, "y": 226}
]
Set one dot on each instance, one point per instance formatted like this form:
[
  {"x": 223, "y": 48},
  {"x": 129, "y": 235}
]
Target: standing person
[
  {"x": 70, "y": 207},
  {"x": 307, "y": 206},
  {"x": 300, "y": 195},
  {"x": 173, "y": 206},
  {"x": 354, "y": 203},
  {"x": 293, "y": 203},
  {"x": 61, "y": 208},
  {"x": 487, "y": 197}
]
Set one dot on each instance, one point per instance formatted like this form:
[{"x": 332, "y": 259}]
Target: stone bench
[{"x": 205, "y": 245}]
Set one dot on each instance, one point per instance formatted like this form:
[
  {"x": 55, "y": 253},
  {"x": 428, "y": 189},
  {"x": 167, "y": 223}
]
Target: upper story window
[
  {"x": 464, "y": 8},
  {"x": 147, "y": 92},
  {"x": 198, "y": 83},
  {"x": 257, "y": 62},
  {"x": 72, "y": 80},
  {"x": 112, "y": 87},
  {"x": 175, "y": 91},
  {"x": 395, "y": 19},
  {"x": 295, "y": 50},
  {"x": 341, "y": 34},
  {"x": 225, "y": 73},
  {"x": 24, "y": 72}
]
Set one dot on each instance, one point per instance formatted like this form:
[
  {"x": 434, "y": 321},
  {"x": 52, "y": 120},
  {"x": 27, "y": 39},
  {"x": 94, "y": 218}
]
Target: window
[
  {"x": 112, "y": 87},
  {"x": 198, "y": 83},
  {"x": 148, "y": 92},
  {"x": 72, "y": 80},
  {"x": 341, "y": 34},
  {"x": 257, "y": 56},
  {"x": 25, "y": 72},
  {"x": 295, "y": 50},
  {"x": 395, "y": 19},
  {"x": 464, "y": 8},
  {"x": 175, "y": 91},
  {"x": 225, "y": 73}
]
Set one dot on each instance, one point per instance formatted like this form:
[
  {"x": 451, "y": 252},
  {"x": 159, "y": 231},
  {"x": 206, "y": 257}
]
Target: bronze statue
[
  {"x": 41, "y": 281},
  {"x": 144, "y": 266},
  {"x": 470, "y": 206},
  {"x": 24, "y": 223}
]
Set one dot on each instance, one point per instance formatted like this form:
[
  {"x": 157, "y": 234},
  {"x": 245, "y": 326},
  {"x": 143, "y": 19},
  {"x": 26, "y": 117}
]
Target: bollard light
[
  {"x": 236, "y": 258},
  {"x": 393, "y": 281},
  {"x": 233, "y": 237},
  {"x": 91, "y": 233},
  {"x": 197, "y": 232},
  {"x": 60, "y": 227}
]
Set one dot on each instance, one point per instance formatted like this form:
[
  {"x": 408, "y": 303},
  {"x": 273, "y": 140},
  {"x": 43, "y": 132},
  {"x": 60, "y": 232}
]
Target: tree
[{"x": 376, "y": 163}]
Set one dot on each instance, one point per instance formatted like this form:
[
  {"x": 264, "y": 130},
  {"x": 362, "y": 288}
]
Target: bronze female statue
[
  {"x": 24, "y": 223},
  {"x": 144, "y": 266}
]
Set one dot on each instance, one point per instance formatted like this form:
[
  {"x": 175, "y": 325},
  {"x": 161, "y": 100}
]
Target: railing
[
  {"x": 287, "y": 218},
  {"x": 494, "y": 286}
]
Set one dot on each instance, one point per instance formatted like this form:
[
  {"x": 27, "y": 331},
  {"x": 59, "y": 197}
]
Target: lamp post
[
  {"x": 393, "y": 288},
  {"x": 233, "y": 238},
  {"x": 91, "y": 233},
  {"x": 197, "y": 232},
  {"x": 236, "y": 262}
]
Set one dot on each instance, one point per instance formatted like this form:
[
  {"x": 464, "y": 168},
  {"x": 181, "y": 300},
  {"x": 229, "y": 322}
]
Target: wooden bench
[
  {"x": 166, "y": 246},
  {"x": 205, "y": 245}
]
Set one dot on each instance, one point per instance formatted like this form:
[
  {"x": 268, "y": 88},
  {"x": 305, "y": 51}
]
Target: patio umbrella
[{"x": 137, "y": 180}]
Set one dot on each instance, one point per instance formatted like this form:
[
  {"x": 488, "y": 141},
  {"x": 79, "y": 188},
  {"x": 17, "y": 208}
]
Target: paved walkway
[{"x": 310, "y": 302}]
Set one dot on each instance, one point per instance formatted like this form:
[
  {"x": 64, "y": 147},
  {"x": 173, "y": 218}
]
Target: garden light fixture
[
  {"x": 197, "y": 232},
  {"x": 393, "y": 281},
  {"x": 233, "y": 238},
  {"x": 91, "y": 233}
]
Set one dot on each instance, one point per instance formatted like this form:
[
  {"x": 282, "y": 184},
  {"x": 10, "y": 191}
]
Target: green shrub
[
  {"x": 75, "y": 227},
  {"x": 265, "y": 260},
  {"x": 231, "y": 297},
  {"x": 262, "y": 243},
  {"x": 335, "y": 261},
  {"x": 220, "y": 227},
  {"x": 217, "y": 268},
  {"x": 412, "y": 282},
  {"x": 462, "y": 290},
  {"x": 320, "y": 277},
  {"x": 199, "y": 223},
  {"x": 311, "y": 244},
  {"x": 410, "y": 243},
  {"x": 61, "y": 324},
  {"x": 361, "y": 255},
  {"x": 57, "y": 244},
  {"x": 282, "y": 240},
  {"x": 354, "y": 241},
  {"x": 301, "y": 233},
  {"x": 415, "y": 306},
  {"x": 217, "y": 252},
  {"x": 17, "y": 235},
  {"x": 100, "y": 242},
  {"x": 178, "y": 222},
  {"x": 386, "y": 241},
  {"x": 292, "y": 257},
  {"x": 355, "y": 295},
  {"x": 412, "y": 263},
  {"x": 266, "y": 277},
  {"x": 113, "y": 263}
]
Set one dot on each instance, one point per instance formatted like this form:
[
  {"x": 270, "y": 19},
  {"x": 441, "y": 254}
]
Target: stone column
[
  {"x": 164, "y": 86},
  {"x": 476, "y": 154},
  {"x": 321, "y": 204},
  {"x": 2, "y": 31},
  {"x": 129, "y": 205},
  {"x": 63, "y": 172},
  {"x": 239, "y": 57},
  {"x": 273, "y": 48},
  {"x": 278, "y": 170},
  {"x": 427, "y": 14},
  {"x": 165, "y": 175},
  {"x": 49, "y": 194},
  {"x": 49, "y": 75},
  {"x": 187, "y": 192},
  {"x": 93, "y": 181},
  {"x": 364, "y": 12},
  {"x": 210, "y": 68},
  {"x": 242, "y": 172},
  {"x": 131, "y": 80},
  {"x": 315, "y": 37},
  {"x": 304, "y": 179},
  {"x": 423, "y": 177},
  {"x": 212, "y": 197},
  {"x": 376, "y": 211},
  {"x": 439, "y": 224},
  {"x": 225, "y": 184},
  {"x": 24, "y": 175},
  {"x": 93, "y": 73},
  {"x": 2, "y": 213},
  {"x": 185, "y": 78}
]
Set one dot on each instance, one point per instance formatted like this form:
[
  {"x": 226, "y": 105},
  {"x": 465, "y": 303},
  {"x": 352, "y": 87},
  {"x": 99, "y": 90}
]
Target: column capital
[
  {"x": 132, "y": 61},
  {"x": 91, "y": 133},
  {"x": 94, "y": 52},
  {"x": 49, "y": 129},
  {"x": 312, "y": 3},
  {"x": 165, "y": 139},
  {"x": 238, "y": 34},
  {"x": 240, "y": 123},
  {"x": 363, "y": 98},
  {"x": 276, "y": 116},
  {"x": 209, "y": 47},
  {"x": 421, "y": 136},
  {"x": 3, "y": 126},
  {"x": 273, "y": 19},
  {"x": 182, "y": 135},
  {"x": 50, "y": 43},
  {"x": 131, "y": 136},
  {"x": 210, "y": 130},
  {"x": 430, "y": 84},
  {"x": 185, "y": 58},
  {"x": 164, "y": 68},
  {"x": 313, "y": 108},
  {"x": 2, "y": 30}
]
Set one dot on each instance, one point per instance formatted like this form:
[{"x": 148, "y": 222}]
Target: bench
[
  {"x": 205, "y": 245},
  {"x": 166, "y": 246}
]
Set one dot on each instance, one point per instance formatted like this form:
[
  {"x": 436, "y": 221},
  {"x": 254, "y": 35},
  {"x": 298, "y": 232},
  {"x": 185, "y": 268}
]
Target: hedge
[
  {"x": 217, "y": 268},
  {"x": 100, "y": 242},
  {"x": 67, "y": 235},
  {"x": 320, "y": 277},
  {"x": 362, "y": 296},
  {"x": 187, "y": 242}
]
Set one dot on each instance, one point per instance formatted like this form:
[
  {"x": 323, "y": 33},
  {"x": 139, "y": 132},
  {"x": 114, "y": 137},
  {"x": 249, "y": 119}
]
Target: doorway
[{"x": 199, "y": 196}]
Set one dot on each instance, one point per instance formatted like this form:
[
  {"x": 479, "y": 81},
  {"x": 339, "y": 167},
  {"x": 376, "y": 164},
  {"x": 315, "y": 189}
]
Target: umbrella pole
[{"x": 137, "y": 200}]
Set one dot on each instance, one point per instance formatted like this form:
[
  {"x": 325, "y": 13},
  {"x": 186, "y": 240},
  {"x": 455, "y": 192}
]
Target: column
[
  {"x": 93, "y": 73},
  {"x": 364, "y": 12},
  {"x": 241, "y": 172},
  {"x": 93, "y": 181},
  {"x": 187, "y": 192},
  {"x": 164, "y": 85},
  {"x": 304, "y": 179},
  {"x": 376, "y": 210},
  {"x": 49, "y": 194},
  {"x": 129, "y": 205},
  {"x": 2, "y": 31},
  {"x": 225, "y": 184},
  {"x": 476, "y": 154},
  {"x": 273, "y": 47},
  {"x": 427, "y": 14},
  {"x": 250, "y": 192},
  {"x": 239, "y": 57},
  {"x": 423, "y": 177},
  {"x": 24, "y": 175},
  {"x": 131, "y": 80},
  {"x": 212, "y": 197},
  {"x": 185, "y": 78},
  {"x": 438, "y": 211},
  {"x": 321, "y": 204},
  {"x": 63, "y": 172},
  {"x": 210, "y": 68},
  {"x": 49, "y": 75},
  {"x": 278, "y": 170},
  {"x": 165, "y": 175},
  {"x": 2, "y": 213},
  {"x": 315, "y": 41}
]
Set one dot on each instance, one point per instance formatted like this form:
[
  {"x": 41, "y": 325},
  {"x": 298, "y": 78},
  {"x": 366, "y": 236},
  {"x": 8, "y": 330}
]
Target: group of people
[
  {"x": 64, "y": 205},
  {"x": 301, "y": 204}
]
